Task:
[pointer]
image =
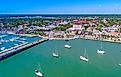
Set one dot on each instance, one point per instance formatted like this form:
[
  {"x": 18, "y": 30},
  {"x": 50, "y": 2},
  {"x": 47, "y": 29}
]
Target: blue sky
[{"x": 61, "y": 6}]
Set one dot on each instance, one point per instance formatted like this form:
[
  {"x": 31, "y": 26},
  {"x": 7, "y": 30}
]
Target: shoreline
[
  {"x": 105, "y": 40},
  {"x": 85, "y": 38}
]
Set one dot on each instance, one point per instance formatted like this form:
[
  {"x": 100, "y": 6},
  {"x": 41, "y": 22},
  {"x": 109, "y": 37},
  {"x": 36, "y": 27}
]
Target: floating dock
[{"x": 14, "y": 50}]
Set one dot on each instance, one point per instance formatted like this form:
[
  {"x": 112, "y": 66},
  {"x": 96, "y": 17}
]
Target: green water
[{"x": 69, "y": 64}]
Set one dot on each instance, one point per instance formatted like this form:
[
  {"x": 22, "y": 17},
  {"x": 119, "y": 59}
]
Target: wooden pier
[{"x": 14, "y": 50}]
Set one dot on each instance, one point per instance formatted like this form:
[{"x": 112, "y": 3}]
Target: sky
[{"x": 60, "y": 6}]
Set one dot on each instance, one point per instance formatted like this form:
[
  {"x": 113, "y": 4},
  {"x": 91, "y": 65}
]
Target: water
[{"x": 69, "y": 64}]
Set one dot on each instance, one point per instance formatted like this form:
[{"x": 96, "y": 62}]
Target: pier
[{"x": 17, "y": 49}]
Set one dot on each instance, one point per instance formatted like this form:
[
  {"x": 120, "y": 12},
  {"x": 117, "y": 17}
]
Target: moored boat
[
  {"x": 55, "y": 55},
  {"x": 101, "y": 51},
  {"x": 119, "y": 64},
  {"x": 38, "y": 73},
  {"x": 67, "y": 46},
  {"x": 3, "y": 48},
  {"x": 84, "y": 58}
]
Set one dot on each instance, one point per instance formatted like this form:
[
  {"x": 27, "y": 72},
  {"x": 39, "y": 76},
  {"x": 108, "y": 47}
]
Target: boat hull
[
  {"x": 55, "y": 55},
  {"x": 84, "y": 59},
  {"x": 67, "y": 46},
  {"x": 38, "y": 73},
  {"x": 100, "y": 52}
]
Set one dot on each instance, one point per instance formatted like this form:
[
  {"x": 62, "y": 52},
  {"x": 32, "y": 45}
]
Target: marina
[
  {"x": 69, "y": 64},
  {"x": 19, "y": 47}
]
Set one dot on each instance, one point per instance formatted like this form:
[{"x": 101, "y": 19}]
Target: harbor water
[{"x": 68, "y": 64}]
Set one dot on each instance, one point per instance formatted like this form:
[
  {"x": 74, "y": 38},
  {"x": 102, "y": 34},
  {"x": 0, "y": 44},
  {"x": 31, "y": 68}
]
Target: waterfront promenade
[
  {"x": 14, "y": 50},
  {"x": 87, "y": 37}
]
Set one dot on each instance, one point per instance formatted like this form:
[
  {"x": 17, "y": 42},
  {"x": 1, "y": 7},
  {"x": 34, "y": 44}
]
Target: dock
[{"x": 17, "y": 49}]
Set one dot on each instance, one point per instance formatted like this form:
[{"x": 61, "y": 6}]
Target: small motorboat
[
  {"x": 76, "y": 37},
  {"x": 3, "y": 48},
  {"x": 6, "y": 41},
  {"x": 12, "y": 40},
  {"x": 23, "y": 39},
  {"x": 38, "y": 73},
  {"x": 67, "y": 46},
  {"x": 55, "y": 55},
  {"x": 0, "y": 43},
  {"x": 2, "y": 40},
  {"x": 66, "y": 40}
]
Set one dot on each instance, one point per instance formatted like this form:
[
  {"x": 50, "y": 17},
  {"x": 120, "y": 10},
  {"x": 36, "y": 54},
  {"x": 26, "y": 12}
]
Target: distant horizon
[{"x": 62, "y": 13}]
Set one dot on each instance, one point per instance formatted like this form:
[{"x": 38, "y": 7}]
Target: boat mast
[
  {"x": 39, "y": 67},
  {"x": 101, "y": 46},
  {"x": 85, "y": 53},
  {"x": 55, "y": 49}
]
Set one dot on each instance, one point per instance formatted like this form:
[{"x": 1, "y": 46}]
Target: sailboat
[
  {"x": 101, "y": 51},
  {"x": 84, "y": 58},
  {"x": 67, "y": 46},
  {"x": 38, "y": 73},
  {"x": 55, "y": 54},
  {"x": 2, "y": 40},
  {"x": 23, "y": 39},
  {"x": 119, "y": 64}
]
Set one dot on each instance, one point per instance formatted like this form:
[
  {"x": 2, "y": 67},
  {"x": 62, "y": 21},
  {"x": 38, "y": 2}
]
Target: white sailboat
[
  {"x": 38, "y": 73},
  {"x": 101, "y": 51},
  {"x": 119, "y": 64},
  {"x": 67, "y": 46},
  {"x": 55, "y": 54},
  {"x": 84, "y": 58}
]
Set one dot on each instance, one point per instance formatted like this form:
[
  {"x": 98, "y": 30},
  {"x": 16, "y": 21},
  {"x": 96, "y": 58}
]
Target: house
[
  {"x": 110, "y": 29},
  {"x": 115, "y": 34}
]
